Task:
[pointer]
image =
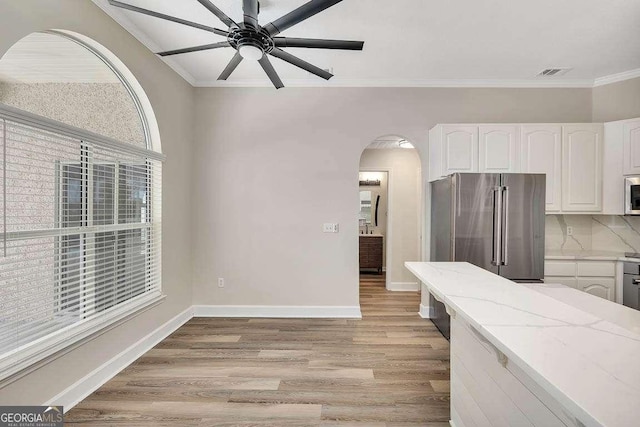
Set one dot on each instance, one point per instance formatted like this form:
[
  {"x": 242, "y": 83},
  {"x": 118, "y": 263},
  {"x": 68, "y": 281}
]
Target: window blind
[{"x": 80, "y": 232}]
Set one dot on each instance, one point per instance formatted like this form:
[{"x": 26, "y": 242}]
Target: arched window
[{"x": 80, "y": 199}]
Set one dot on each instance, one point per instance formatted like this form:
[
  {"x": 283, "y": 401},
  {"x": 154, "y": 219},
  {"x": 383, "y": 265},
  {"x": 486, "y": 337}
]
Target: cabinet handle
[
  {"x": 505, "y": 230},
  {"x": 497, "y": 225}
]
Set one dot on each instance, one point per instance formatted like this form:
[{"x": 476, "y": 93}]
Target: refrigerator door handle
[
  {"x": 497, "y": 225},
  {"x": 505, "y": 226}
]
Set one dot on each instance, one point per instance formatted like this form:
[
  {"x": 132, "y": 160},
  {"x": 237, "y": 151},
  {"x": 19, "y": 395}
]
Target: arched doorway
[{"x": 390, "y": 219}]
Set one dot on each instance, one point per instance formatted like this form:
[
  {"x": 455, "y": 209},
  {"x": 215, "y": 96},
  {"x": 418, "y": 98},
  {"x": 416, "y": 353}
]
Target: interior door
[
  {"x": 474, "y": 219},
  {"x": 523, "y": 226}
]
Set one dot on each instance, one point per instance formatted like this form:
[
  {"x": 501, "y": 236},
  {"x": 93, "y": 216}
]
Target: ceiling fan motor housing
[{"x": 249, "y": 37}]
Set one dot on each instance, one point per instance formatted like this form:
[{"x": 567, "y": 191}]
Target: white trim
[
  {"x": 23, "y": 360},
  {"x": 288, "y": 311},
  {"x": 403, "y": 286},
  {"x": 424, "y": 311},
  {"x": 614, "y": 78},
  {"x": 467, "y": 83},
  {"x": 82, "y": 388}
]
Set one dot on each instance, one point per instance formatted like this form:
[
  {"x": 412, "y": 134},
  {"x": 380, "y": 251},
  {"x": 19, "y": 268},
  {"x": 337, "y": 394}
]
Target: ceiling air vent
[{"x": 553, "y": 72}]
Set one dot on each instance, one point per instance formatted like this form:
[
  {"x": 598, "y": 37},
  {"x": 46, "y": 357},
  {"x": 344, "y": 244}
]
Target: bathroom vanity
[{"x": 371, "y": 251}]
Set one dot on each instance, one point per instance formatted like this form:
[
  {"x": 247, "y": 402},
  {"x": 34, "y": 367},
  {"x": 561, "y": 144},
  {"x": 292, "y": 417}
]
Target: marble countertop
[
  {"x": 587, "y": 255},
  {"x": 587, "y": 359},
  {"x": 370, "y": 235}
]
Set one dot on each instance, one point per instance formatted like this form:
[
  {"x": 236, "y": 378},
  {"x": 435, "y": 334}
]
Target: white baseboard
[
  {"x": 424, "y": 311},
  {"x": 82, "y": 388},
  {"x": 403, "y": 286},
  {"x": 266, "y": 311}
]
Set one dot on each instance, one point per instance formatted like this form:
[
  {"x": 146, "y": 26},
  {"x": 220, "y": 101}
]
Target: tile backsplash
[{"x": 593, "y": 233}]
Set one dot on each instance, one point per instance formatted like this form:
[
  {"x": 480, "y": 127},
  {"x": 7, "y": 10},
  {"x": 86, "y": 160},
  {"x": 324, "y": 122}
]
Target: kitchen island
[{"x": 535, "y": 355}]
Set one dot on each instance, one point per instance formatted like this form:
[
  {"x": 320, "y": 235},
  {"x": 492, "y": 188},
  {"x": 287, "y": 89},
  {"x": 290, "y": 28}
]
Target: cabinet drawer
[
  {"x": 572, "y": 282},
  {"x": 560, "y": 268},
  {"x": 596, "y": 269}
]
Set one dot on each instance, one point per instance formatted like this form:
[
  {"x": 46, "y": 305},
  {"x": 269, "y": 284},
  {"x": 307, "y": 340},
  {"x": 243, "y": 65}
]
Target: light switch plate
[{"x": 330, "y": 227}]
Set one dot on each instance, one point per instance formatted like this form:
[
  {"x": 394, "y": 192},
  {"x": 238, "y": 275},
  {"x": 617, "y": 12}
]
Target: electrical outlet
[
  {"x": 569, "y": 231},
  {"x": 330, "y": 227},
  {"x": 220, "y": 282}
]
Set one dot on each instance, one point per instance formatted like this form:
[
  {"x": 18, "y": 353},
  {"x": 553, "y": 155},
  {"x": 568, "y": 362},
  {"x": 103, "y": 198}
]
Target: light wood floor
[{"x": 389, "y": 369}]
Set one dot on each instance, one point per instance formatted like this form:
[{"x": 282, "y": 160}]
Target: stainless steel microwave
[{"x": 632, "y": 195}]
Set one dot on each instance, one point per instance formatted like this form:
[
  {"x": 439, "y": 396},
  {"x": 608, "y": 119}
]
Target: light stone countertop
[
  {"x": 587, "y": 359},
  {"x": 569, "y": 255}
]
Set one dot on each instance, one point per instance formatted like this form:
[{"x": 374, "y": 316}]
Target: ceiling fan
[{"x": 254, "y": 42}]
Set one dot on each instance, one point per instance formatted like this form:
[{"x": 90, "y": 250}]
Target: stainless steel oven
[
  {"x": 631, "y": 285},
  {"x": 632, "y": 195}
]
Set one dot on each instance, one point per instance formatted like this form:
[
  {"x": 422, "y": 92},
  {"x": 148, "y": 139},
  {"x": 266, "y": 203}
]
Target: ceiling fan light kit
[{"x": 254, "y": 42}]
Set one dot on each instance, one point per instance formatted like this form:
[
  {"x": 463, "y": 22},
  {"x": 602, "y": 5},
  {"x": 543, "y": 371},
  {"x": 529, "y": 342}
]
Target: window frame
[{"x": 24, "y": 359}]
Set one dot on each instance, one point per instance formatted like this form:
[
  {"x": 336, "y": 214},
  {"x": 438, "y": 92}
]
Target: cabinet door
[
  {"x": 599, "y": 286},
  {"x": 499, "y": 149},
  {"x": 459, "y": 149},
  {"x": 632, "y": 148},
  {"x": 541, "y": 152},
  {"x": 582, "y": 168}
]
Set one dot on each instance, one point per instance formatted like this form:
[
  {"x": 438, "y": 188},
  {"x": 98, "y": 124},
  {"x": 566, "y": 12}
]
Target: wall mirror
[{"x": 365, "y": 207}]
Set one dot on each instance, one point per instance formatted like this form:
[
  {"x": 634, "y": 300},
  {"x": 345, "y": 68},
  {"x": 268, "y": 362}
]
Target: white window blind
[{"x": 80, "y": 233}]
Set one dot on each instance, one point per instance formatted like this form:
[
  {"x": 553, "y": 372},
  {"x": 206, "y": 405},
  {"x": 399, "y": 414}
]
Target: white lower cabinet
[
  {"x": 594, "y": 277},
  {"x": 603, "y": 287}
]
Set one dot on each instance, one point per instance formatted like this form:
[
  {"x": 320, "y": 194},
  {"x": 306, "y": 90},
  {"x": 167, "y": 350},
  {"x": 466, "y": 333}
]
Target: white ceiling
[
  {"x": 47, "y": 58},
  {"x": 416, "y": 42}
]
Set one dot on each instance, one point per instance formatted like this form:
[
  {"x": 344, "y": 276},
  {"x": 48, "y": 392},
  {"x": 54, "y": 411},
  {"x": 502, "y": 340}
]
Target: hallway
[{"x": 390, "y": 368}]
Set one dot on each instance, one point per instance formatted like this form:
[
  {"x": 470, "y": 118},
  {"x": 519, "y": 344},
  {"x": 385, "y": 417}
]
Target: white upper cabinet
[
  {"x": 452, "y": 148},
  {"x": 499, "y": 150},
  {"x": 541, "y": 152},
  {"x": 632, "y": 147},
  {"x": 612, "y": 170},
  {"x": 460, "y": 149},
  {"x": 582, "y": 167}
]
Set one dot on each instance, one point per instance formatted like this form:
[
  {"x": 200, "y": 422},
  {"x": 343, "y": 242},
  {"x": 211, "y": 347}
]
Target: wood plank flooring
[{"x": 389, "y": 369}]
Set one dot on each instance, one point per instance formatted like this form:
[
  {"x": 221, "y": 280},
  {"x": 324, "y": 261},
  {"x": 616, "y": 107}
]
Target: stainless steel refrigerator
[{"x": 495, "y": 221}]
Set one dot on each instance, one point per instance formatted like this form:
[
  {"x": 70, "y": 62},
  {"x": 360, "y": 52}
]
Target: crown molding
[
  {"x": 400, "y": 83},
  {"x": 615, "y": 78},
  {"x": 143, "y": 38}
]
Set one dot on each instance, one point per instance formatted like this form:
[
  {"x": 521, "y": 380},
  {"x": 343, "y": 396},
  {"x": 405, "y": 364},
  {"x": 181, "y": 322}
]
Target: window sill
[{"x": 28, "y": 358}]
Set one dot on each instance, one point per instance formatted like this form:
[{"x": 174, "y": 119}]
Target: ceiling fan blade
[
  {"x": 294, "y": 60},
  {"x": 318, "y": 43},
  {"x": 250, "y": 9},
  {"x": 219, "y": 13},
  {"x": 194, "y": 49},
  {"x": 168, "y": 17},
  {"x": 298, "y": 15},
  {"x": 271, "y": 72},
  {"x": 233, "y": 64}
]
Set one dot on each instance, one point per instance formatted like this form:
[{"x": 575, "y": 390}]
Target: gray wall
[
  {"x": 172, "y": 100},
  {"x": 271, "y": 166},
  {"x": 617, "y": 101}
]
